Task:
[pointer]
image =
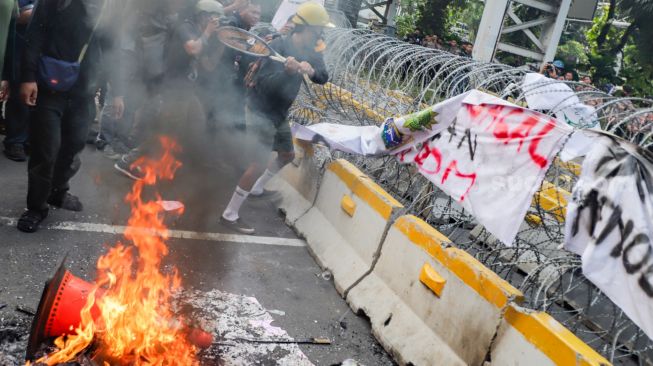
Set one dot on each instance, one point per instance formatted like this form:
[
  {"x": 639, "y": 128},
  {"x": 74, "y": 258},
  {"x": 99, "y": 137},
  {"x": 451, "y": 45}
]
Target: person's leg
[
  {"x": 260, "y": 136},
  {"x": 74, "y": 129},
  {"x": 6, "y": 8},
  {"x": 17, "y": 126},
  {"x": 45, "y": 140},
  {"x": 283, "y": 145}
]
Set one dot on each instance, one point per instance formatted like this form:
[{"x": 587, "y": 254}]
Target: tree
[
  {"x": 607, "y": 43},
  {"x": 433, "y": 15}
]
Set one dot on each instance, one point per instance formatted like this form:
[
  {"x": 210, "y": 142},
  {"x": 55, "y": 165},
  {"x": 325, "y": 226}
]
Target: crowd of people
[
  {"x": 146, "y": 66},
  {"x": 464, "y": 49}
]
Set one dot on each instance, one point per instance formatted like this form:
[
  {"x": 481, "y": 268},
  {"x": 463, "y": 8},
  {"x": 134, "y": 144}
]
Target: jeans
[
  {"x": 17, "y": 118},
  {"x": 57, "y": 131}
]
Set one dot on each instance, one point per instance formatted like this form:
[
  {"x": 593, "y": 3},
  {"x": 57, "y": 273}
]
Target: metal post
[
  {"x": 489, "y": 31},
  {"x": 549, "y": 24}
]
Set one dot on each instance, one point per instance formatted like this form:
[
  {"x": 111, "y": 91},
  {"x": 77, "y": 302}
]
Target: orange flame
[{"x": 137, "y": 325}]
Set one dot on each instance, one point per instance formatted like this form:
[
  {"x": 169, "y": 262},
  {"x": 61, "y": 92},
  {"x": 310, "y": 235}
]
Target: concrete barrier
[
  {"x": 298, "y": 182},
  {"x": 347, "y": 223},
  {"x": 526, "y": 337},
  {"x": 427, "y": 302}
]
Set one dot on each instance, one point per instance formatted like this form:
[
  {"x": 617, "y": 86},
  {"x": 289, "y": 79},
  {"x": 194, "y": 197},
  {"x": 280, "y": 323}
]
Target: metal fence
[{"x": 374, "y": 76}]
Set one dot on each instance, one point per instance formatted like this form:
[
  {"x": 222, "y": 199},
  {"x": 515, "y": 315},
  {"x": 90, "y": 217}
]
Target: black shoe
[
  {"x": 15, "y": 152},
  {"x": 66, "y": 201},
  {"x": 134, "y": 173},
  {"x": 237, "y": 225},
  {"x": 30, "y": 220}
]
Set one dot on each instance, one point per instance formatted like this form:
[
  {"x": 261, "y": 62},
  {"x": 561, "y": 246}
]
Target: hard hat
[
  {"x": 313, "y": 14},
  {"x": 209, "y": 6},
  {"x": 559, "y": 64}
]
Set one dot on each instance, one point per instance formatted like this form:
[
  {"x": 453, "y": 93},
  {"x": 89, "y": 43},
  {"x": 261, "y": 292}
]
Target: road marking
[{"x": 177, "y": 234}]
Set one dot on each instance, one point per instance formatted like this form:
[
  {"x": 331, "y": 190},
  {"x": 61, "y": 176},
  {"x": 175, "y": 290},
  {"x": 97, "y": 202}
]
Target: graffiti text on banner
[{"x": 610, "y": 224}]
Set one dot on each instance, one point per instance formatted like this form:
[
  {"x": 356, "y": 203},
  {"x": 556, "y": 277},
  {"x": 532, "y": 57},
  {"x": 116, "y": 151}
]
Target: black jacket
[
  {"x": 59, "y": 29},
  {"x": 275, "y": 89}
]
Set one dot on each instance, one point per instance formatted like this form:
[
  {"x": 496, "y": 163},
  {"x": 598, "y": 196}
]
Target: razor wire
[{"x": 374, "y": 76}]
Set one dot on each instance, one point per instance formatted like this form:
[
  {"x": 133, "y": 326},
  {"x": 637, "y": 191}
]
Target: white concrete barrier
[
  {"x": 345, "y": 226},
  {"x": 298, "y": 182},
  {"x": 429, "y": 304},
  {"x": 526, "y": 337}
]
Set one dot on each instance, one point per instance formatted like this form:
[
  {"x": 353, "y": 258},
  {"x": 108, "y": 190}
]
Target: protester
[
  {"x": 188, "y": 42},
  {"x": 225, "y": 87},
  {"x": 466, "y": 49},
  {"x": 233, "y": 6},
  {"x": 274, "y": 87},
  {"x": 7, "y": 8},
  {"x": 60, "y": 33},
  {"x": 17, "y": 113},
  {"x": 453, "y": 47},
  {"x": 554, "y": 70},
  {"x": 414, "y": 38}
]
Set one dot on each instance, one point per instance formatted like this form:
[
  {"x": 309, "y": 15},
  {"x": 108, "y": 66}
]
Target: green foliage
[
  {"x": 467, "y": 13},
  {"x": 406, "y": 22},
  {"x": 433, "y": 16},
  {"x": 638, "y": 75},
  {"x": 573, "y": 53}
]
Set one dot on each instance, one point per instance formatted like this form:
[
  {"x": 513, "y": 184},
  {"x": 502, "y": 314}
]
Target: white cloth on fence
[
  {"x": 545, "y": 94},
  {"x": 610, "y": 224},
  {"x": 486, "y": 153}
]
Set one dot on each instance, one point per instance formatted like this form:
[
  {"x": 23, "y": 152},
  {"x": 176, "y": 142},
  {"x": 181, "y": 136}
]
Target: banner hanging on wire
[
  {"x": 610, "y": 225},
  {"x": 486, "y": 153}
]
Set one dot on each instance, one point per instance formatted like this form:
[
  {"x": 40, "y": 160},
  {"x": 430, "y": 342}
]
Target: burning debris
[{"x": 127, "y": 315}]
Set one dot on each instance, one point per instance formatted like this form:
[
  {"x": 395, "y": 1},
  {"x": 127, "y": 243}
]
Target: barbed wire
[{"x": 374, "y": 76}]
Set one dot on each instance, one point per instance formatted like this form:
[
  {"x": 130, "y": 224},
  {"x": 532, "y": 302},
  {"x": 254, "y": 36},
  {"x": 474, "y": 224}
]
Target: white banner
[
  {"x": 486, "y": 153},
  {"x": 610, "y": 224},
  {"x": 492, "y": 160},
  {"x": 287, "y": 9},
  {"x": 544, "y": 94},
  {"x": 393, "y": 135}
]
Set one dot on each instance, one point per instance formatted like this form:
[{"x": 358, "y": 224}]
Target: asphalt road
[{"x": 274, "y": 268}]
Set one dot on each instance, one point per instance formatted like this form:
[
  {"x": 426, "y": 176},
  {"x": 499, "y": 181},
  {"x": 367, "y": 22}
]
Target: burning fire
[{"x": 132, "y": 297}]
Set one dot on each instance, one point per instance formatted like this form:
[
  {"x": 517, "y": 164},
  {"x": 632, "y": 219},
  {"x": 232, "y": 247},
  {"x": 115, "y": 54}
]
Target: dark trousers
[
  {"x": 17, "y": 118},
  {"x": 58, "y": 129}
]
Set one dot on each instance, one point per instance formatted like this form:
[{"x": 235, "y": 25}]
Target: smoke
[{"x": 205, "y": 116}]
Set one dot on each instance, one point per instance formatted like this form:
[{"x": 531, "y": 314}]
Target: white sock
[
  {"x": 231, "y": 212},
  {"x": 261, "y": 182}
]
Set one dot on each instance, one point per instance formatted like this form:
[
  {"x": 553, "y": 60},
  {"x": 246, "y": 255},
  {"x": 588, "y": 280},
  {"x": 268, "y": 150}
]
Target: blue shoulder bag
[{"x": 59, "y": 75}]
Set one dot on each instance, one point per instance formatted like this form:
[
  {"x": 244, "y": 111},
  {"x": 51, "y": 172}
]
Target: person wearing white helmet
[
  {"x": 226, "y": 90},
  {"x": 191, "y": 37},
  {"x": 189, "y": 41},
  {"x": 273, "y": 87}
]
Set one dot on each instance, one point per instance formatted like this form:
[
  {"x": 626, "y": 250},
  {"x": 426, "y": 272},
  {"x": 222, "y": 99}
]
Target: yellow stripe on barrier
[
  {"x": 363, "y": 187},
  {"x": 552, "y": 338},
  {"x": 485, "y": 282},
  {"x": 423, "y": 235}
]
